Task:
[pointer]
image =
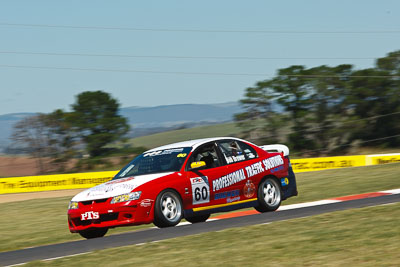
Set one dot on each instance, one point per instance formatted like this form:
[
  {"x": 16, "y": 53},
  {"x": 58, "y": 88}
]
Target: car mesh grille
[
  {"x": 89, "y": 202},
  {"x": 109, "y": 216}
]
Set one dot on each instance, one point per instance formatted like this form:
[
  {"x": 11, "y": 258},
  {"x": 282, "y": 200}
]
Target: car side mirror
[{"x": 197, "y": 165}]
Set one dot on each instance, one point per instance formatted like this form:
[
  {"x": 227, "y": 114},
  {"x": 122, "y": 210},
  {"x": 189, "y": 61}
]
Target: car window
[
  {"x": 236, "y": 151},
  {"x": 206, "y": 153},
  {"x": 232, "y": 151},
  {"x": 249, "y": 152},
  {"x": 167, "y": 160}
]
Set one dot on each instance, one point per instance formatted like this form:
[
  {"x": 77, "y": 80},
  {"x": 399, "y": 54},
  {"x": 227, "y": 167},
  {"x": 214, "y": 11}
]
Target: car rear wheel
[
  {"x": 168, "y": 209},
  {"x": 269, "y": 195},
  {"x": 198, "y": 218},
  {"x": 93, "y": 233}
]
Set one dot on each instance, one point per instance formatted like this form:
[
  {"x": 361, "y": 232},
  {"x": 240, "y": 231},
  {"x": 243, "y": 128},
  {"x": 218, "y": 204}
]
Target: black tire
[
  {"x": 198, "y": 218},
  {"x": 93, "y": 233},
  {"x": 168, "y": 209},
  {"x": 269, "y": 195}
]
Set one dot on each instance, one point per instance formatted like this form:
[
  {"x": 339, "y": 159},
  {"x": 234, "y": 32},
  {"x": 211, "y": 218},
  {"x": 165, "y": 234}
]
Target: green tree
[
  {"x": 328, "y": 108},
  {"x": 328, "y": 86},
  {"x": 29, "y": 136},
  {"x": 260, "y": 121},
  {"x": 373, "y": 94},
  {"x": 95, "y": 117},
  {"x": 47, "y": 138},
  {"x": 293, "y": 93},
  {"x": 62, "y": 141},
  {"x": 291, "y": 90},
  {"x": 390, "y": 63}
]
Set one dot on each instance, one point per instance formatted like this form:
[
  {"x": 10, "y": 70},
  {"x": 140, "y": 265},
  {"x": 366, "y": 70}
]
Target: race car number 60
[
  {"x": 200, "y": 194},
  {"x": 200, "y": 190}
]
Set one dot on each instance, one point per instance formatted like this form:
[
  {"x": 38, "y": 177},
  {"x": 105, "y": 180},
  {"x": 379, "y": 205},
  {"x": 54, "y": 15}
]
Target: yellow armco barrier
[
  {"x": 318, "y": 164},
  {"x": 54, "y": 182},
  {"x": 90, "y": 179}
]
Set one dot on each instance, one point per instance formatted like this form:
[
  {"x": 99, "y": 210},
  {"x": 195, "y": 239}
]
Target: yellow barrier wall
[
  {"x": 318, "y": 164},
  {"x": 90, "y": 179},
  {"x": 54, "y": 182}
]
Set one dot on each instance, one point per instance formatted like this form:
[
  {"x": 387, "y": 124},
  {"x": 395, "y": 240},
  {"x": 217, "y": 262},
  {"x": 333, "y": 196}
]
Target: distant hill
[
  {"x": 174, "y": 115},
  {"x": 168, "y": 137},
  {"x": 148, "y": 120}
]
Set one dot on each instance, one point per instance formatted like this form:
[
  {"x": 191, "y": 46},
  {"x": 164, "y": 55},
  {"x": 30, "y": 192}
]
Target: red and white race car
[{"x": 188, "y": 180}]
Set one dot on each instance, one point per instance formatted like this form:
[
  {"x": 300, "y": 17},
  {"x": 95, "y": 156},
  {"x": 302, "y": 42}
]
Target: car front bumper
[{"x": 106, "y": 215}]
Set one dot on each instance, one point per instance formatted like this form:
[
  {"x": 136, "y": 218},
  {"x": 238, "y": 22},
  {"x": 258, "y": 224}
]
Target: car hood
[{"x": 117, "y": 187}]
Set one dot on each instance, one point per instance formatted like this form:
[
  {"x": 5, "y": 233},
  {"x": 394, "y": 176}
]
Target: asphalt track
[{"x": 155, "y": 234}]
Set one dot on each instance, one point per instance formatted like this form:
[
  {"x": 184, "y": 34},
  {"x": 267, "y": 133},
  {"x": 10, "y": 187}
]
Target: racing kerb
[{"x": 90, "y": 179}]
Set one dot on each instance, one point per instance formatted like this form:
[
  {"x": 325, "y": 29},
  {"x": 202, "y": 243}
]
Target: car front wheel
[
  {"x": 269, "y": 195},
  {"x": 168, "y": 209}
]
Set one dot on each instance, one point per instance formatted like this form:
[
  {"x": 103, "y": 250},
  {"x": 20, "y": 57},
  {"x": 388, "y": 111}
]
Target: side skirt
[{"x": 222, "y": 207}]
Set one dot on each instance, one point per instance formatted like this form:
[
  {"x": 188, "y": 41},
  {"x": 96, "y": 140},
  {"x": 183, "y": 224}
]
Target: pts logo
[{"x": 90, "y": 215}]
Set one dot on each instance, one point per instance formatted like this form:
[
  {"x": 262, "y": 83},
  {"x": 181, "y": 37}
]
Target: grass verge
[
  {"x": 359, "y": 237},
  {"x": 44, "y": 221}
]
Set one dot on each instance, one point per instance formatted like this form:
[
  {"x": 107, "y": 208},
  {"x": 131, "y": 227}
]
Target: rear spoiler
[{"x": 277, "y": 148}]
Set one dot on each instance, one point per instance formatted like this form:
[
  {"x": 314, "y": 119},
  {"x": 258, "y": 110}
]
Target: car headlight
[
  {"x": 73, "y": 205},
  {"x": 126, "y": 197}
]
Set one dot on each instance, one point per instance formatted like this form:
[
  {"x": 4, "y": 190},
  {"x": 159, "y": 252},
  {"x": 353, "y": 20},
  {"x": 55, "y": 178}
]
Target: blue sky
[{"x": 44, "y": 90}]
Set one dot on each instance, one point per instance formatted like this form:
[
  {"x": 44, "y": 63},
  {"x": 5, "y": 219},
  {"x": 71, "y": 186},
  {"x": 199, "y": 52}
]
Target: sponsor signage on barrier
[
  {"x": 90, "y": 179},
  {"x": 54, "y": 182},
  {"x": 318, "y": 164}
]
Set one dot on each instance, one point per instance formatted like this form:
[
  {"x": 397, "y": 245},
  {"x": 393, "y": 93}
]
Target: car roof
[{"x": 193, "y": 143}]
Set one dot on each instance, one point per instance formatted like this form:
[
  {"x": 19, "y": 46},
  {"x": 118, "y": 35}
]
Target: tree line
[
  {"x": 87, "y": 131},
  {"x": 326, "y": 110},
  {"x": 322, "y": 110}
]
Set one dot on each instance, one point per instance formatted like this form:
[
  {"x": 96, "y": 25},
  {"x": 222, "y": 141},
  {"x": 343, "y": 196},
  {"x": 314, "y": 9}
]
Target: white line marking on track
[
  {"x": 187, "y": 223},
  {"x": 392, "y": 191},
  {"x": 50, "y": 259},
  {"x": 285, "y": 207},
  {"x": 183, "y": 223},
  {"x": 308, "y": 204},
  {"x": 388, "y": 204},
  {"x": 18, "y": 264},
  {"x": 56, "y": 258}
]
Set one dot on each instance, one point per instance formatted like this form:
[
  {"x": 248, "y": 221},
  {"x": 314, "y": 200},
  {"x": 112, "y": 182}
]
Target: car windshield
[{"x": 167, "y": 160}]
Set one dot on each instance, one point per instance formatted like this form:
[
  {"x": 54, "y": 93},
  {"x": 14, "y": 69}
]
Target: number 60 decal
[
  {"x": 200, "y": 190},
  {"x": 200, "y": 194}
]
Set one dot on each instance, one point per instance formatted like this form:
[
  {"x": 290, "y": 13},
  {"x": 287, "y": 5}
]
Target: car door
[
  {"x": 238, "y": 156},
  {"x": 203, "y": 179}
]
